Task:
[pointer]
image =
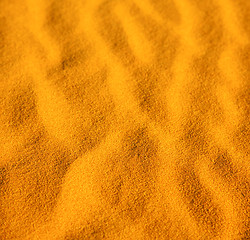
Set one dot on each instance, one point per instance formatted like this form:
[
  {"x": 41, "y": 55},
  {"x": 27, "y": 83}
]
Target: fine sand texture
[{"x": 124, "y": 119}]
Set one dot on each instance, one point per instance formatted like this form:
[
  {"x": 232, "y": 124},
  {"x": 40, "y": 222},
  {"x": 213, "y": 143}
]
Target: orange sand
[{"x": 124, "y": 119}]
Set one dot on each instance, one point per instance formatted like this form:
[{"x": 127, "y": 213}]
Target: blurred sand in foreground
[{"x": 124, "y": 119}]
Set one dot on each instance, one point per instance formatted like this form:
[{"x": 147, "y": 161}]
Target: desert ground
[{"x": 124, "y": 119}]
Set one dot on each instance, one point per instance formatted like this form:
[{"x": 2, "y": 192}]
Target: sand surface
[{"x": 124, "y": 119}]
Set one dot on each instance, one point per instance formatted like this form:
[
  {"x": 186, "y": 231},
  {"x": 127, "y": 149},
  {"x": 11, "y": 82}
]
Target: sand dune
[{"x": 124, "y": 119}]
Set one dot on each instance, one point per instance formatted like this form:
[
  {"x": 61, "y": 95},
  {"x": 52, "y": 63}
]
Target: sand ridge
[{"x": 124, "y": 119}]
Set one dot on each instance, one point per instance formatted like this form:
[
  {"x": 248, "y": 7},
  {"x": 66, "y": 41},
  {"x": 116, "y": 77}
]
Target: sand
[{"x": 124, "y": 119}]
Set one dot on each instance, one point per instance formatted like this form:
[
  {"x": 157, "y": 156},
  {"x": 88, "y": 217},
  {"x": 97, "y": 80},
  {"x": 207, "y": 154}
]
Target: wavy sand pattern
[{"x": 124, "y": 119}]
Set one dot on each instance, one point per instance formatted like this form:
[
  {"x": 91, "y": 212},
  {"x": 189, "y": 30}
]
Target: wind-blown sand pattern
[{"x": 124, "y": 119}]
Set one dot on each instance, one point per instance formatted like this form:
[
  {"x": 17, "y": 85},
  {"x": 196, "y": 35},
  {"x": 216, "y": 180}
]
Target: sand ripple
[{"x": 124, "y": 119}]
